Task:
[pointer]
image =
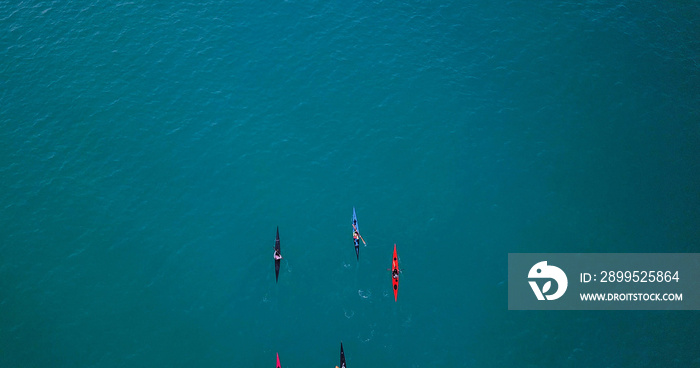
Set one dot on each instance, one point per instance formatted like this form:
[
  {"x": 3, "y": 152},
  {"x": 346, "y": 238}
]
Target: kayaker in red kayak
[{"x": 395, "y": 274}]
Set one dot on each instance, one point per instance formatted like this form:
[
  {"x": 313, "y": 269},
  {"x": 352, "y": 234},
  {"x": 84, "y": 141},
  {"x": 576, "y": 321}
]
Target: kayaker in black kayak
[{"x": 278, "y": 256}]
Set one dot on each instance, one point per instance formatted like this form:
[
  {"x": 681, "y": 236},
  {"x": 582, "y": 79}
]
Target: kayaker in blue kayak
[{"x": 278, "y": 256}]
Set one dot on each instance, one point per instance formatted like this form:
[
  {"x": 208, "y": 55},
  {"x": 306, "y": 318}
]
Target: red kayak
[
  {"x": 278, "y": 361},
  {"x": 395, "y": 274}
]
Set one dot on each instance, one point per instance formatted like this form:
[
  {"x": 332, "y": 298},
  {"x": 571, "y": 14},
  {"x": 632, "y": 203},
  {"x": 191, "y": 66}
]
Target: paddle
[{"x": 358, "y": 233}]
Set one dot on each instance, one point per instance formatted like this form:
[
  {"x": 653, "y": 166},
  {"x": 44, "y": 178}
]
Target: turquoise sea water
[{"x": 148, "y": 151}]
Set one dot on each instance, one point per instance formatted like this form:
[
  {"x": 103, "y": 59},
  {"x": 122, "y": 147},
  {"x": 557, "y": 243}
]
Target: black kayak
[
  {"x": 277, "y": 249},
  {"x": 342, "y": 356},
  {"x": 355, "y": 228}
]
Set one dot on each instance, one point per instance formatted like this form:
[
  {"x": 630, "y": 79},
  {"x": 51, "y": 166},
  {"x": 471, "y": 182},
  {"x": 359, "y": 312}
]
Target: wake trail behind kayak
[{"x": 357, "y": 274}]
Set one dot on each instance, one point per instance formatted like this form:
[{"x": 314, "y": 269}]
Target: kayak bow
[
  {"x": 395, "y": 269},
  {"x": 277, "y": 249},
  {"x": 355, "y": 229},
  {"x": 342, "y": 356},
  {"x": 278, "y": 361}
]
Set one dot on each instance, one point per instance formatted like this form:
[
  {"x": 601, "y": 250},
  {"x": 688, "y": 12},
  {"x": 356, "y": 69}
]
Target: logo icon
[{"x": 543, "y": 271}]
